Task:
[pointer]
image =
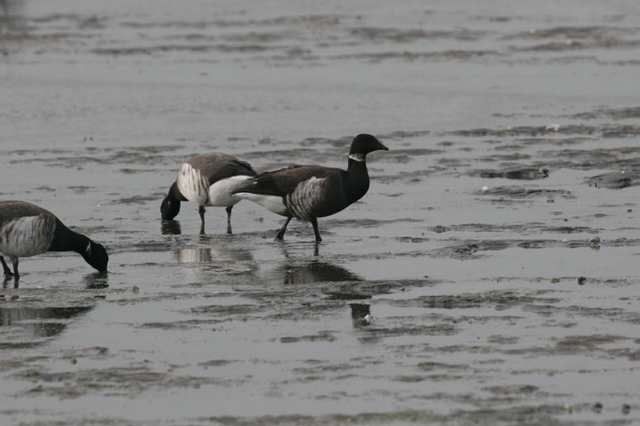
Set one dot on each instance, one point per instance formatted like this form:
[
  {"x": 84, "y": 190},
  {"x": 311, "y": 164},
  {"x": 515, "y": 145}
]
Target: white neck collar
[{"x": 357, "y": 157}]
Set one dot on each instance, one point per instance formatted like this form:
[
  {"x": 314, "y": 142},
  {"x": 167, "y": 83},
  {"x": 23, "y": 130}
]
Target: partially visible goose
[
  {"x": 27, "y": 230},
  {"x": 207, "y": 180},
  {"x": 310, "y": 192}
]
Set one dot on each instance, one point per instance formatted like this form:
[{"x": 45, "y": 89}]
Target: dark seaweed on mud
[
  {"x": 607, "y": 131},
  {"x": 614, "y": 180},
  {"x": 515, "y": 173},
  {"x": 522, "y": 193}
]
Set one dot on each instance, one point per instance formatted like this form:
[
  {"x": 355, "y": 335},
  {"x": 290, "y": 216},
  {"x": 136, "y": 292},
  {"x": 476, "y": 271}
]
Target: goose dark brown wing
[
  {"x": 284, "y": 181},
  {"x": 218, "y": 166},
  {"x": 10, "y": 210}
]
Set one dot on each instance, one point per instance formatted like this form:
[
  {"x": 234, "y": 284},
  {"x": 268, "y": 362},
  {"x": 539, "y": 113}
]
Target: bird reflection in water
[
  {"x": 31, "y": 322},
  {"x": 314, "y": 271},
  {"x": 96, "y": 280},
  {"x": 223, "y": 254},
  {"x": 11, "y": 279},
  {"x": 170, "y": 227}
]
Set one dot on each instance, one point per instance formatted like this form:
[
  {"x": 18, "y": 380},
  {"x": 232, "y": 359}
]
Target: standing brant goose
[
  {"x": 310, "y": 192},
  {"x": 27, "y": 230},
  {"x": 207, "y": 180}
]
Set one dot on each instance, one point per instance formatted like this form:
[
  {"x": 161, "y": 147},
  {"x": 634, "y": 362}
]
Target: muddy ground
[{"x": 496, "y": 249}]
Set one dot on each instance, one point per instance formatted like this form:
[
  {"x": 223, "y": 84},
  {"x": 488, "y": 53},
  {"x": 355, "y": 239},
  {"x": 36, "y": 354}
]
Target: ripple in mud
[
  {"x": 306, "y": 21},
  {"x": 397, "y": 35},
  {"x": 610, "y": 113},
  {"x": 531, "y": 131},
  {"x": 151, "y": 155},
  {"x": 524, "y": 143},
  {"x": 573, "y": 32},
  {"x": 178, "y": 48},
  {"x": 321, "y": 336},
  {"x": 473, "y": 249},
  {"x": 620, "y": 158},
  {"x": 138, "y": 199},
  {"x": 368, "y": 223},
  {"x": 367, "y": 289},
  {"x": 615, "y": 180},
  {"x": 440, "y": 366},
  {"x": 567, "y": 45},
  {"x": 516, "y": 173},
  {"x": 375, "y": 333},
  {"x": 226, "y": 311},
  {"x": 123, "y": 381},
  {"x": 512, "y": 389},
  {"x": 575, "y": 344},
  {"x": 612, "y": 314},
  {"x": 577, "y": 37},
  {"x": 504, "y": 299},
  {"x": 607, "y": 131},
  {"x": 511, "y": 193},
  {"x": 444, "y": 55}
]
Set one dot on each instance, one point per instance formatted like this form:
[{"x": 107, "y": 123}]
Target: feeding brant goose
[
  {"x": 310, "y": 192},
  {"x": 207, "y": 180},
  {"x": 27, "y": 230}
]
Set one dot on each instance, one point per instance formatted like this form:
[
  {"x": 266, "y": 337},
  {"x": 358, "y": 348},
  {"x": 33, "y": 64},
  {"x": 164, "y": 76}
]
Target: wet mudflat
[{"x": 496, "y": 251}]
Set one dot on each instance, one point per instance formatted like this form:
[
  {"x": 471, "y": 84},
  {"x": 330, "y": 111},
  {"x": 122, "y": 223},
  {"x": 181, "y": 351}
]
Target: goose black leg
[
  {"x": 229, "y": 231},
  {"x": 5, "y": 267},
  {"x": 280, "y": 235},
  {"x": 16, "y": 274},
  {"x": 316, "y": 231},
  {"x": 201, "y": 213}
]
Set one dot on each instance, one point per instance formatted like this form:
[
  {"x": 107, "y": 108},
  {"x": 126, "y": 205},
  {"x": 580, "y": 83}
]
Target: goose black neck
[
  {"x": 175, "y": 194},
  {"x": 64, "y": 239},
  {"x": 357, "y": 167},
  {"x": 357, "y": 179}
]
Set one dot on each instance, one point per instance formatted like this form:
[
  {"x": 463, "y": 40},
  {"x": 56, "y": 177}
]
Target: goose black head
[
  {"x": 364, "y": 144},
  {"x": 96, "y": 255},
  {"x": 169, "y": 208}
]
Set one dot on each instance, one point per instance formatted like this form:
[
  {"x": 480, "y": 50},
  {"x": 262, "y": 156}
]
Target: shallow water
[{"x": 495, "y": 249}]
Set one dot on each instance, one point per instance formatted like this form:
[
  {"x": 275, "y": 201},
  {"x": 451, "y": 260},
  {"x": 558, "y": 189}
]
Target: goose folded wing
[
  {"x": 228, "y": 169},
  {"x": 285, "y": 181}
]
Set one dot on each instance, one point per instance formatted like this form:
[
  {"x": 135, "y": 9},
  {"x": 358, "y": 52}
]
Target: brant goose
[
  {"x": 27, "y": 230},
  {"x": 310, "y": 192},
  {"x": 207, "y": 180}
]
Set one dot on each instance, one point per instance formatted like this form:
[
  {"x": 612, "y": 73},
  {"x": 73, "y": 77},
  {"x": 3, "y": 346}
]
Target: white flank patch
[
  {"x": 193, "y": 185},
  {"x": 27, "y": 236},
  {"x": 269, "y": 202},
  {"x": 305, "y": 197},
  {"x": 220, "y": 193}
]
